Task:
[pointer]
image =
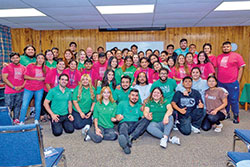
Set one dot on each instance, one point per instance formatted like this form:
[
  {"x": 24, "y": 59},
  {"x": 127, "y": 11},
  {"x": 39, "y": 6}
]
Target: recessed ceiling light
[
  {"x": 236, "y": 5},
  {"x": 26, "y": 12},
  {"x": 126, "y": 9}
]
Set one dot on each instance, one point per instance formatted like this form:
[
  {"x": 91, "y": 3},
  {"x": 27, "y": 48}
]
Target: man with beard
[
  {"x": 183, "y": 47},
  {"x": 143, "y": 86},
  {"x": 122, "y": 93},
  {"x": 61, "y": 107},
  {"x": 13, "y": 77},
  {"x": 28, "y": 55},
  {"x": 229, "y": 72},
  {"x": 166, "y": 84},
  {"x": 128, "y": 113},
  {"x": 189, "y": 108}
]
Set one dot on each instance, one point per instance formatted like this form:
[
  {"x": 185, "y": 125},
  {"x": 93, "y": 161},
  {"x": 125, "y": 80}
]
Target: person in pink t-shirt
[
  {"x": 13, "y": 77},
  {"x": 192, "y": 49},
  {"x": 118, "y": 55},
  {"x": 157, "y": 66},
  {"x": 100, "y": 67},
  {"x": 206, "y": 67},
  {"x": 89, "y": 70},
  {"x": 144, "y": 68},
  {"x": 136, "y": 60},
  {"x": 74, "y": 75},
  {"x": 189, "y": 61},
  {"x": 229, "y": 72},
  {"x": 181, "y": 69},
  {"x": 207, "y": 48},
  {"x": 171, "y": 67},
  {"x": 35, "y": 76}
]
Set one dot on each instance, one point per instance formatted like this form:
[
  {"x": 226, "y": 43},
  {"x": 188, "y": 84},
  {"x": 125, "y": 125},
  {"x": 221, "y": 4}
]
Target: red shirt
[
  {"x": 74, "y": 78},
  {"x": 228, "y": 67},
  {"x": 15, "y": 76},
  {"x": 33, "y": 70}
]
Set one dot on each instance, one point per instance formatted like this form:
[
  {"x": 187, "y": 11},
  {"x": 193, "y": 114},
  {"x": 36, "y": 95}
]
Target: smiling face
[
  {"x": 153, "y": 59},
  {"x": 183, "y": 45},
  {"x": 189, "y": 58},
  {"x": 125, "y": 83},
  {"x": 106, "y": 94},
  {"x": 15, "y": 59},
  {"x": 68, "y": 56},
  {"x": 163, "y": 75},
  {"x": 63, "y": 81},
  {"x": 135, "y": 59},
  {"x": 181, "y": 60},
  {"x": 207, "y": 49},
  {"x": 144, "y": 63},
  {"x": 55, "y": 52},
  {"x": 40, "y": 59},
  {"x": 129, "y": 62},
  {"x": 156, "y": 94},
  {"x": 187, "y": 83},
  {"x": 114, "y": 63},
  {"x": 201, "y": 57},
  {"x": 157, "y": 66},
  {"x": 72, "y": 65},
  {"x": 110, "y": 75},
  {"x": 170, "y": 62},
  {"x": 85, "y": 81},
  {"x": 211, "y": 82},
  {"x": 102, "y": 60},
  {"x": 133, "y": 97},
  {"x": 82, "y": 56},
  {"x": 142, "y": 78},
  {"x": 60, "y": 66},
  {"x": 195, "y": 74},
  {"x": 226, "y": 48},
  {"x": 30, "y": 51}
]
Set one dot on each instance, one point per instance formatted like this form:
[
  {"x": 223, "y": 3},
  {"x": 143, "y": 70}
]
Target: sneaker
[
  {"x": 195, "y": 130},
  {"x": 36, "y": 122},
  {"x": 16, "y": 121},
  {"x": 164, "y": 142},
  {"x": 21, "y": 123},
  {"x": 130, "y": 139},
  {"x": 175, "y": 125},
  {"x": 32, "y": 114},
  {"x": 218, "y": 128},
  {"x": 228, "y": 116},
  {"x": 85, "y": 129},
  {"x": 236, "y": 119},
  {"x": 87, "y": 138},
  {"x": 124, "y": 144},
  {"x": 175, "y": 140}
]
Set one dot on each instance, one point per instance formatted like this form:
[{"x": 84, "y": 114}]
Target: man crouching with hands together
[
  {"x": 61, "y": 107},
  {"x": 189, "y": 107}
]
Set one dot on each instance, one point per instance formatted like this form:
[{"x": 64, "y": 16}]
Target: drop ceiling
[{"x": 82, "y": 14}]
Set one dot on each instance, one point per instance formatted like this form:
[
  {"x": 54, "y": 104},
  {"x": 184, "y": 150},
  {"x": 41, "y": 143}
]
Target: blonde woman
[
  {"x": 81, "y": 57},
  {"x": 104, "y": 116},
  {"x": 84, "y": 101}
]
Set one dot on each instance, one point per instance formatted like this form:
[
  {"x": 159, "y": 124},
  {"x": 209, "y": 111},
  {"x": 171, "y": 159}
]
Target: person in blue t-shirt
[{"x": 183, "y": 47}]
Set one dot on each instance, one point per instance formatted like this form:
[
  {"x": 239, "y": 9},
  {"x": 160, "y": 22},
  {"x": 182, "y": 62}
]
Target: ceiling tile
[
  {"x": 69, "y": 11},
  {"x": 121, "y": 2},
  {"x": 79, "y": 18},
  {"x": 10, "y": 4},
  {"x": 179, "y": 15},
  {"x": 57, "y": 3},
  {"x": 129, "y": 17},
  {"x": 229, "y": 14},
  {"x": 222, "y": 22},
  {"x": 31, "y": 19}
]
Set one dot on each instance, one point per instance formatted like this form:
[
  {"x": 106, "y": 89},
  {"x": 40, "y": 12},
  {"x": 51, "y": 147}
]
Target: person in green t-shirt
[
  {"x": 104, "y": 116},
  {"x": 28, "y": 55},
  {"x": 84, "y": 102},
  {"x": 61, "y": 107},
  {"x": 159, "y": 111},
  {"x": 126, "y": 69},
  {"x": 81, "y": 57},
  {"x": 49, "y": 59},
  {"x": 166, "y": 84},
  {"x": 130, "y": 127}
]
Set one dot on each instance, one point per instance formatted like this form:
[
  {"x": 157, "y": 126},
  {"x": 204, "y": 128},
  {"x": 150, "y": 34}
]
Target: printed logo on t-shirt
[
  {"x": 224, "y": 61},
  {"x": 18, "y": 73},
  {"x": 182, "y": 72},
  {"x": 187, "y": 102},
  {"x": 38, "y": 73},
  {"x": 210, "y": 97},
  {"x": 165, "y": 89}
]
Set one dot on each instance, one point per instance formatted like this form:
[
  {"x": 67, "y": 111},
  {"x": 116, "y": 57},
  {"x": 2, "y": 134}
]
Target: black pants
[
  {"x": 43, "y": 110},
  {"x": 63, "y": 123},
  {"x": 134, "y": 129},
  {"x": 78, "y": 122},
  {"x": 212, "y": 119}
]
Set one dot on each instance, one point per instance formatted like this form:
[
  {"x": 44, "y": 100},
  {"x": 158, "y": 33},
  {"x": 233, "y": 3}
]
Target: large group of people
[{"x": 136, "y": 91}]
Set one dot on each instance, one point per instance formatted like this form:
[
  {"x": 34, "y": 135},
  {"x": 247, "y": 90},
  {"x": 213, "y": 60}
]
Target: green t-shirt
[
  {"x": 158, "y": 110},
  {"x": 104, "y": 113},
  {"x": 168, "y": 88},
  {"x": 53, "y": 65},
  {"x": 129, "y": 71},
  {"x": 99, "y": 88},
  {"x": 130, "y": 114},
  {"x": 85, "y": 100},
  {"x": 80, "y": 65},
  {"x": 25, "y": 60},
  {"x": 120, "y": 95},
  {"x": 59, "y": 100}
]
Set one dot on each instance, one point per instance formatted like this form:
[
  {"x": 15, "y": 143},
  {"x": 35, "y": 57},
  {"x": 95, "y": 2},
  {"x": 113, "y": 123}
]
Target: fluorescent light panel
[
  {"x": 236, "y": 5},
  {"x": 25, "y": 12},
  {"x": 126, "y": 9}
]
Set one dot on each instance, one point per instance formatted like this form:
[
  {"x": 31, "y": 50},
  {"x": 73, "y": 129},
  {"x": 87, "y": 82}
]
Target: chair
[
  {"x": 236, "y": 157},
  {"x": 243, "y": 135},
  {"x": 5, "y": 118},
  {"x": 22, "y": 145}
]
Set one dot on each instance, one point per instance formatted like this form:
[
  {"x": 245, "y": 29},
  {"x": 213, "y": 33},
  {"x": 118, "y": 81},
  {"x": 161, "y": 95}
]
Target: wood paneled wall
[{"x": 43, "y": 40}]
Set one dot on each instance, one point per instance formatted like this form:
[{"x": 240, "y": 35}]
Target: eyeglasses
[
  {"x": 163, "y": 73},
  {"x": 64, "y": 79}
]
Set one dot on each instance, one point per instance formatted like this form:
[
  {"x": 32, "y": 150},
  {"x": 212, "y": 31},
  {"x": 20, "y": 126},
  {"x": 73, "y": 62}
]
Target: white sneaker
[
  {"x": 195, "y": 130},
  {"x": 218, "y": 128},
  {"x": 175, "y": 140},
  {"x": 87, "y": 138},
  {"x": 21, "y": 123},
  {"x": 85, "y": 129},
  {"x": 164, "y": 142}
]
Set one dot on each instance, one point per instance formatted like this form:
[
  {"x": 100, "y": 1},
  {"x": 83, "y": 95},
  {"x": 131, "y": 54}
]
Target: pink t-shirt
[
  {"x": 228, "y": 67},
  {"x": 180, "y": 74},
  {"x": 191, "y": 66},
  {"x": 171, "y": 72},
  {"x": 206, "y": 70},
  {"x": 195, "y": 59},
  {"x": 149, "y": 72},
  {"x": 74, "y": 78},
  {"x": 15, "y": 76},
  {"x": 155, "y": 76},
  {"x": 212, "y": 59},
  {"x": 120, "y": 64},
  {"x": 52, "y": 78},
  {"x": 92, "y": 75},
  {"x": 100, "y": 69},
  {"x": 37, "y": 72}
]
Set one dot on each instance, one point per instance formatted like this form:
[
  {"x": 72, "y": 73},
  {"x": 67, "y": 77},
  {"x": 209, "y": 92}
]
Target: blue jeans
[
  {"x": 108, "y": 134},
  {"x": 63, "y": 124},
  {"x": 27, "y": 96},
  {"x": 14, "y": 102},
  {"x": 158, "y": 129},
  {"x": 233, "y": 96},
  {"x": 78, "y": 122}
]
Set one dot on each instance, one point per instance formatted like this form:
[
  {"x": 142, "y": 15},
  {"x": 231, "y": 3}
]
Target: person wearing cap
[
  {"x": 61, "y": 107},
  {"x": 13, "y": 77},
  {"x": 35, "y": 76}
]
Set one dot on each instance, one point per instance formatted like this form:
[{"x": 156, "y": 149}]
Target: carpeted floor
[{"x": 207, "y": 149}]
